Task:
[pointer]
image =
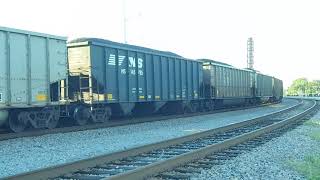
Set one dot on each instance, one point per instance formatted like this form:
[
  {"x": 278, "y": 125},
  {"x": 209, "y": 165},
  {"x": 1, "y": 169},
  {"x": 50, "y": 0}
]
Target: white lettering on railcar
[
  {"x": 121, "y": 59},
  {"x": 131, "y": 63},
  {"x": 140, "y": 63},
  {"x": 123, "y": 71},
  {"x": 140, "y": 72},
  {"x": 112, "y": 59},
  {"x": 133, "y": 71}
]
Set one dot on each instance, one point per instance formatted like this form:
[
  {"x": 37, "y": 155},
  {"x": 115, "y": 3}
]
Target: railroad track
[
  {"x": 190, "y": 170},
  {"x": 159, "y": 158},
  {"x": 5, "y": 135}
]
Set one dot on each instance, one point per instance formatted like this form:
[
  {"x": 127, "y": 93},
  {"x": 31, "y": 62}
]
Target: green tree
[
  {"x": 311, "y": 88},
  {"x": 315, "y": 87},
  {"x": 302, "y": 86}
]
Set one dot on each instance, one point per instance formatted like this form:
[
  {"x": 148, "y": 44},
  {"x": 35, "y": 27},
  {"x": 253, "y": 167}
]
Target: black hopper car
[{"x": 92, "y": 80}]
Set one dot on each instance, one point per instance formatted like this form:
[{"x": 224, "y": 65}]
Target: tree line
[{"x": 303, "y": 87}]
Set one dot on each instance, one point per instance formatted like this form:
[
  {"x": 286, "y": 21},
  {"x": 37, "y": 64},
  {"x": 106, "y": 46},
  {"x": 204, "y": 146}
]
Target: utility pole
[
  {"x": 250, "y": 50},
  {"x": 124, "y": 21}
]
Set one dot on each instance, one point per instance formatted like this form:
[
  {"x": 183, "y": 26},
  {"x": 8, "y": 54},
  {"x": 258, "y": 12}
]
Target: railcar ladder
[
  {"x": 86, "y": 83},
  {"x": 63, "y": 96},
  {"x": 85, "y": 86},
  {"x": 63, "y": 87}
]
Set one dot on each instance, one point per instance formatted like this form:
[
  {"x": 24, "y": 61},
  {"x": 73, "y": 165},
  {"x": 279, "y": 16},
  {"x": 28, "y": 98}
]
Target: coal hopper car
[
  {"x": 264, "y": 87},
  {"x": 110, "y": 79},
  {"x": 225, "y": 85},
  {"x": 33, "y": 72},
  {"x": 277, "y": 89}
]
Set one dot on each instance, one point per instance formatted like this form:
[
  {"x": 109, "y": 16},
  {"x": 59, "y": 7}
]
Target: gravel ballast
[
  {"x": 31, "y": 153},
  {"x": 272, "y": 160}
]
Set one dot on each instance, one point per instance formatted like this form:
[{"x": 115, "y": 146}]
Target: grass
[
  {"x": 315, "y": 135},
  {"x": 309, "y": 167},
  {"x": 313, "y": 123}
]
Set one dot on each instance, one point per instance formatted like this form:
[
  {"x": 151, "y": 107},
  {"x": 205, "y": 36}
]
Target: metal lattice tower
[{"x": 250, "y": 50}]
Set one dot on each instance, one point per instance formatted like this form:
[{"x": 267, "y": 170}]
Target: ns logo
[{"x": 132, "y": 61}]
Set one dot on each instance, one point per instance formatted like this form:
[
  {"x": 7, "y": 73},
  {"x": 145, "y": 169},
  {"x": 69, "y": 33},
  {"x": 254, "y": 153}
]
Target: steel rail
[
  {"x": 121, "y": 122},
  {"x": 169, "y": 164},
  {"x": 58, "y": 170}
]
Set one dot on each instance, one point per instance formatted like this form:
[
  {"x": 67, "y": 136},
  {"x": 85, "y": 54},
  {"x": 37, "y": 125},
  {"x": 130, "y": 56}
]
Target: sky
[{"x": 286, "y": 33}]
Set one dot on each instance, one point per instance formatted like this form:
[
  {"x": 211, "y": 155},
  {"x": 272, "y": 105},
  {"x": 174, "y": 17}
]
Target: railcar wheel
[
  {"x": 101, "y": 115},
  {"x": 81, "y": 115},
  {"x": 53, "y": 119},
  {"x": 95, "y": 117},
  {"x": 53, "y": 122},
  {"x": 108, "y": 114},
  {"x": 17, "y": 121},
  {"x": 190, "y": 108},
  {"x": 187, "y": 110}
]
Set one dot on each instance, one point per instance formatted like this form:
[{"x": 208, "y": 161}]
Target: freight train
[{"x": 44, "y": 80}]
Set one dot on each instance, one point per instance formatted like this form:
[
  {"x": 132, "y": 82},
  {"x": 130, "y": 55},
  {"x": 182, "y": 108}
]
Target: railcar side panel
[
  {"x": 189, "y": 80},
  {"x": 150, "y": 77},
  {"x": 32, "y": 66},
  {"x": 122, "y": 75},
  {"x": 277, "y": 89},
  {"x": 110, "y": 75},
  {"x": 18, "y": 66},
  {"x": 132, "y": 77},
  {"x": 3, "y": 68},
  {"x": 164, "y": 78},
  {"x": 195, "y": 75},
  {"x": 177, "y": 79},
  {"x": 264, "y": 85},
  {"x": 184, "y": 80},
  {"x": 157, "y": 78},
  {"x": 38, "y": 76},
  {"x": 200, "y": 81},
  {"x": 57, "y": 54},
  {"x": 97, "y": 72},
  {"x": 141, "y": 75},
  {"x": 171, "y": 79}
]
